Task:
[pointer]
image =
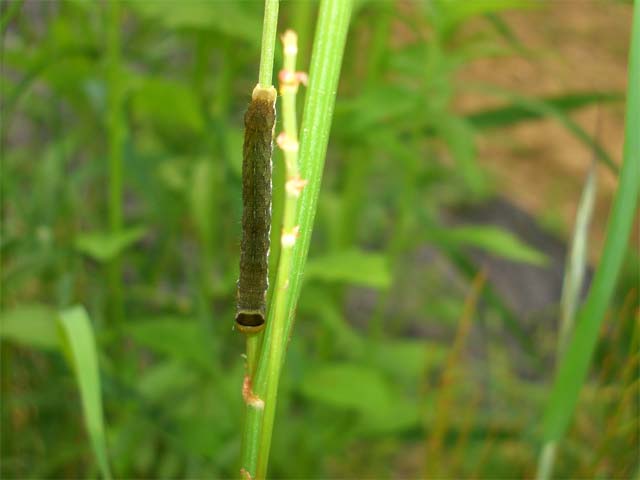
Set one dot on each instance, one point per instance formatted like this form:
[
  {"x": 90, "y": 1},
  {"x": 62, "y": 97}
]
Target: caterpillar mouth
[{"x": 250, "y": 322}]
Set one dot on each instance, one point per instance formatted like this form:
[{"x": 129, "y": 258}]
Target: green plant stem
[
  {"x": 253, "y": 352},
  {"x": 326, "y": 59},
  {"x": 573, "y": 369},
  {"x": 324, "y": 73},
  {"x": 250, "y": 441},
  {"x": 253, "y": 415},
  {"x": 115, "y": 135},
  {"x": 269, "y": 30},
  {"x": 277, "y": 346}
]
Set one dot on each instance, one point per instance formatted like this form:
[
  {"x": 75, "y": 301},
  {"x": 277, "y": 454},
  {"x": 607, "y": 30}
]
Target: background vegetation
[{"x": 427, "y": 329}]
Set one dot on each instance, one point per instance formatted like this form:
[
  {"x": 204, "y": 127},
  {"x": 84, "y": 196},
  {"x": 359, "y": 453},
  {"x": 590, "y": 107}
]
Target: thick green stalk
[
  {"x": 115, "y": 138},
  {"x": 328, "y": 48},
  {"x": 254, "y": 342},
  {"x": 574, "y": 366},
  {"x": 324, "y": 73},
  {"x": 288, "y": 142}
]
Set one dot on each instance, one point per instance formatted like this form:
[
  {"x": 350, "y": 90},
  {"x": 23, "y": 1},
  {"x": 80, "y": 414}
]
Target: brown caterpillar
[{"x": 253, "y": 282}]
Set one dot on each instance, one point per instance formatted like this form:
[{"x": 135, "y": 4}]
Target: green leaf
[
  {"x": 503, "y": 29},
  {"x": 494, "y": 240},
  {"x": 541, "y": 108},
  {"x": 406, "y": 359},
  {"x": 351, "y": 266},
  {"x": 354, "y": 387},
  {"x": 459, "y": 137},
  {"x": 347, "y": 386},
  {"x": 448, "y": 14},
  {"x": 375, "y": 108},
  {"x": 104, "y": 247},
  {"x": 80, "y": 348},
  {"x": 172, "y": 174},
  {"x": 457, "y": 11},
  {"x": 399, "y": 415},
  {"x": 316, "y": 300},
  {"x": 164, "y": 380},
  {"x": 171, "y": 107},
  {"x": 30, "y": 325},
  {"x": 179, "y": 338},
  {"x": 513, "y": 114},
  {"x": 229, "y": 18}
]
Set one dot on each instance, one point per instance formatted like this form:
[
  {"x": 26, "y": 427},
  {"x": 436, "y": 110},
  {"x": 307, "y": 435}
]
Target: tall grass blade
[
  {"x": 573, "y": 368},
  {"x": 571, "y": 287},
  {"x": 577, "y": 261},
  {"x": 79, "y": 346},
  {"x": 324, "y": 73}
]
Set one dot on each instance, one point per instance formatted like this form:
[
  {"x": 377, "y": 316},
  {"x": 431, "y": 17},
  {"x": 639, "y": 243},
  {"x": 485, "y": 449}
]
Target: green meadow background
[{"x": 428, "y": 329}]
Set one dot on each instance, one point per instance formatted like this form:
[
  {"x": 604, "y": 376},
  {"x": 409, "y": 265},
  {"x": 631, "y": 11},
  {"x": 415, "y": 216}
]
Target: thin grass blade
[
  {"x": 577, "y": 261},
  {"x": 574, "y": 366},
  {"x": 571, "y": 287}
]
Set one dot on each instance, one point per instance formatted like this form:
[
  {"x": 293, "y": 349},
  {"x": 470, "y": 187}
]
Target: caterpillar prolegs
[{"x": 253, "y": 282}]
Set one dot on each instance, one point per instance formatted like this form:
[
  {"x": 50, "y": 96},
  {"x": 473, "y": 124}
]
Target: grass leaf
[
  {"x": 494, "y": 240},
  {"x": 351, "y": 266},
  {"x": 229, "y": 18},
  {"x": 577, "y": 260},
  {"x": 30, "y": 325},
  {"x": 104, "y": 247},
  {"x": 513, "y": 114},
  {"x": 347, "y": 386},
  {"x": 574, "y": 366},
  {"x": 80, "y": 348},
  {"x": 179, "y": 338},
  {"x": 540, "y": 108},
  {"x": 170, "y": 106}
]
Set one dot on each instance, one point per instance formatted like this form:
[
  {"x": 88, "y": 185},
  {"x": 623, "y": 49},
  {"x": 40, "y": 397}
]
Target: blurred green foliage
[{"x": 359, "y": 390}]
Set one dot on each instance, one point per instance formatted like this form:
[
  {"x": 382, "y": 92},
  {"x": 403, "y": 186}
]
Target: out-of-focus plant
[{"x": 134, "y": 111}]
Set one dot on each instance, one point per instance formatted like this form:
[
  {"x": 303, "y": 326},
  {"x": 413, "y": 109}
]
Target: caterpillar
[{"x": 259, "y": 121}]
